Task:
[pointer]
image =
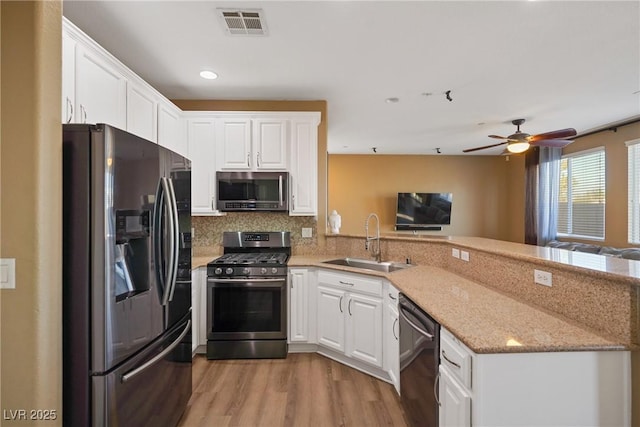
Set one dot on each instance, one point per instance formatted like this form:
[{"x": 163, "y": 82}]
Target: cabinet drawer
[
  {"x": 455, "y": 357},
  {"x": 351, "y": 282},
  {"x": 391, "y": 295}
]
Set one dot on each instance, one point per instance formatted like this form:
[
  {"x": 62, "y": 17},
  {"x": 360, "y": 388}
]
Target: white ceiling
[{"x": 557, "y": 64}]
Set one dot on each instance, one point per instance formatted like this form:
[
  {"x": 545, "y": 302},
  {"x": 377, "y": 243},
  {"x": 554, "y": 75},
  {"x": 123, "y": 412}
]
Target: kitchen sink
[{"x": 366, "y": 264}]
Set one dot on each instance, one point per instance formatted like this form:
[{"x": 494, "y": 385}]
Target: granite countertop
[
  {"x": 485, "y": 320},
  {"x": 597, "y": 265}
]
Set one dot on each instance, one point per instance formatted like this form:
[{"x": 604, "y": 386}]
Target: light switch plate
[
  {"x": 307, "y": 232},
  {"x": 455, "y": 253},
  {"x": 7, "y": 273},
  {"x": 464, "y": 255}
]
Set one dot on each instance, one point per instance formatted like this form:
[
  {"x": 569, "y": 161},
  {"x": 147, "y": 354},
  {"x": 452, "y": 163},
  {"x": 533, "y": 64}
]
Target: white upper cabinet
[
  {"x": 101, "y": 89},
  {"x": 304, "y": 165},
  {"x": 201, "y": 134},
  {"x": 172, "y": 132},
  {"x": 142, "y": 111},
  {"x": 252, "y": 142},
  {"x": 68, "y": 77}
]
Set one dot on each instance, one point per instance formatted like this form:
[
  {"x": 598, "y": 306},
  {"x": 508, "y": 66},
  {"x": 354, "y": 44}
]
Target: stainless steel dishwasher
[{"x": 419, "y": 360}]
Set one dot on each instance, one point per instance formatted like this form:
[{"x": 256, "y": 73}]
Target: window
[
  {"x": 633, "y": 156},
  {"x": 582, "y": 195}
]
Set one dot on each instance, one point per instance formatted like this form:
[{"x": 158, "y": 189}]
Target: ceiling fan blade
[
  {"x": 497, "y": 137},
  {"x": 556, "y": 134},
  {"x": 468, "y": 150},
  {"x": 557, "y": 143}
]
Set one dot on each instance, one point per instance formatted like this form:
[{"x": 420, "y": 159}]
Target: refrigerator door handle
[
  {"x": 126, "y": 377},
  {"x": 175, "y": 248},
  {"x": 171, "y": 271},
  {"x": 158, "y": 225}
]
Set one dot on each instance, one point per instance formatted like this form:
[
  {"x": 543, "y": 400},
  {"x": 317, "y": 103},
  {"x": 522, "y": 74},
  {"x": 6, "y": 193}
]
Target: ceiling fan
[{"x": 520, "y": 141}]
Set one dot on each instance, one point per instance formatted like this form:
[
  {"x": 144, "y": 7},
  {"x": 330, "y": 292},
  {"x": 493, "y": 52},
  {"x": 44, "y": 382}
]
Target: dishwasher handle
[{"x": 416, "y": 318}]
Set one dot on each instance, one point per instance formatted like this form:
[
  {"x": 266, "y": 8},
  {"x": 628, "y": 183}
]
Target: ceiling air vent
[{"x": 243, "y": 22}]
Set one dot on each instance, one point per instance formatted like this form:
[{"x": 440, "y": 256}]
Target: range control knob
[
  {"x": 274, "y": 270},
  {"x": 229, "y": 270},
  {"x": 245, "y": 271},
  {"x": 218, "y": 270},
  {"x": 263, "y": 270}
]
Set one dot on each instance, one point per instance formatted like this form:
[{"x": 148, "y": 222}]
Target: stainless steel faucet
[{"x": 375, "y": 252}]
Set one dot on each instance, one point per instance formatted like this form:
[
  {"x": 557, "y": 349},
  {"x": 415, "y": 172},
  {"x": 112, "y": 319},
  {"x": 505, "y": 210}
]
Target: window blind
[
  {"x": 582, "y": 195},
  {"x": 633, "y": 158}
]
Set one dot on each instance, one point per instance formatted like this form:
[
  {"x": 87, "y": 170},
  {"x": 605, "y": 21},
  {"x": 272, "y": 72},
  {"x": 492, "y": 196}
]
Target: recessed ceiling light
[
  {"x": 209, "y": 75},
  {"x": 392, "y": 100}
]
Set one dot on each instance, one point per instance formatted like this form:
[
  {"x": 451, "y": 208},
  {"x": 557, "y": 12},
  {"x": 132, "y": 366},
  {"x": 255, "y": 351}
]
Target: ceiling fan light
[{"x": 518, "y": 147}]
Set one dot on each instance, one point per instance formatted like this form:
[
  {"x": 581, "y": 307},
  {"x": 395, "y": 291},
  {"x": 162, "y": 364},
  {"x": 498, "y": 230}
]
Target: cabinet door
[
  {"x": 392, "y": 346},
  {"x": 364, "y": 336},
  {"x": 201, "y": 137},
  {"x": 455, "y": 402},
  {"x": 234, "y": 143},
  {"x": 304, "y": 168},
  {"x": 68, "y": 77},
  {"x": 331, "y": 320},
  {"x": 142, "y": 113},
  {"x": 298, "y": 305},
  {"x": 270, "y": 148},
  {"x": 202, "y": 339},
  {"x": 101, "y": 90},
  {"x": 171, "y": 130},
  {"x": 195, "y": 309}
]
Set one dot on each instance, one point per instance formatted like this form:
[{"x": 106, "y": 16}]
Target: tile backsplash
[{"x": 207, "y": 237}]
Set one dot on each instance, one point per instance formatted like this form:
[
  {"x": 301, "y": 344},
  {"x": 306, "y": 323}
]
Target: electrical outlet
[
  {"x": 542, "y": 277},
  {"x": 307, "y": 232},
  {"x": 464, "y": 255},
  {"x": 455, "y": 253}
]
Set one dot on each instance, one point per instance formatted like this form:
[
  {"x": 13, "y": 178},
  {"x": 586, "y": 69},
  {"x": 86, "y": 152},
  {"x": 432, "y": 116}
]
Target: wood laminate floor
[{"x": 305, "y": 389}]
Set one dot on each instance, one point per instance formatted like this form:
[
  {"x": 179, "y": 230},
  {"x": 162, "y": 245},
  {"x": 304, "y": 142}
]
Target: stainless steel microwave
[{"x": 252, "y": 191}]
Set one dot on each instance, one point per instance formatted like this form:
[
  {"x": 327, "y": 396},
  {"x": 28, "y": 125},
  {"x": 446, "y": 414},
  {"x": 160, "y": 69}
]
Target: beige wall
[
  {"x": 360, "y": 184},
  {"x": 30, "y": 206},
  {"x": 616, "y": 179}
]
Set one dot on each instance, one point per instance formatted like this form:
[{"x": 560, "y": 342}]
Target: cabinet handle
[
  {"x": 444, "y": 354},
  {"x": 392, "y": 297},
  {"x": 83, "y": 113},
  {"x": 69, "y": 110},
  {"x": 349, "y": 307},
  {"x": 435, "y": 389},
  {"x": 393, "y": 329},
  {"x": 346, "y": 283},
  {"x": 258, "y": 159},
  {"x": 213, "y": 202},
  {"x": 248, "y": 160},
  {"x": 293, "y": 202},
  {"x": 340, "y": 305}
]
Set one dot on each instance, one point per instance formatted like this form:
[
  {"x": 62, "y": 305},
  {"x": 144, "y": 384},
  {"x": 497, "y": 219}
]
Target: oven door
[{"x": 246, "y": 309}]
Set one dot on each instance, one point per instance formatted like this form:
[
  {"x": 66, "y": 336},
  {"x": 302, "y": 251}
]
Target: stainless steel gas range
[{"x": 247, "y": 297}]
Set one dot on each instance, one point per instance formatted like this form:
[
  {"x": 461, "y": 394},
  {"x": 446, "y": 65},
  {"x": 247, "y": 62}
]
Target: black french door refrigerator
[{"x": 126, "y": 279}]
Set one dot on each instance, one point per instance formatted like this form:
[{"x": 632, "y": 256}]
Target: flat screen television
[{"x": 423, "y": 211}]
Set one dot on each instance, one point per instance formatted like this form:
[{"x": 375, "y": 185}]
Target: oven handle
[
  {"x": 248, "y": 283},
  {"x": 280, "y": 198}
]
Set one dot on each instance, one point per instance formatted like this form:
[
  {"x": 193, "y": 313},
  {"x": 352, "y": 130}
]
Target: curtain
[
  {"x": 548, "y": 187},
  {"x": 531, "y": 160}
]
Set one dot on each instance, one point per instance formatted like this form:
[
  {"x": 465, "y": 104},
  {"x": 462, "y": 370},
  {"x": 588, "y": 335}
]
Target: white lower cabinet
[
  {"x": 195, "y": 309},
  {"x": 199, "y": 310},
  {"x": 455, "y": 401},
  {"x": 350, "y": 315},
  {"x": 585, "y": 388},
  {"x": 301, "y": 306},
  {"x": 391, "y": 351}
]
